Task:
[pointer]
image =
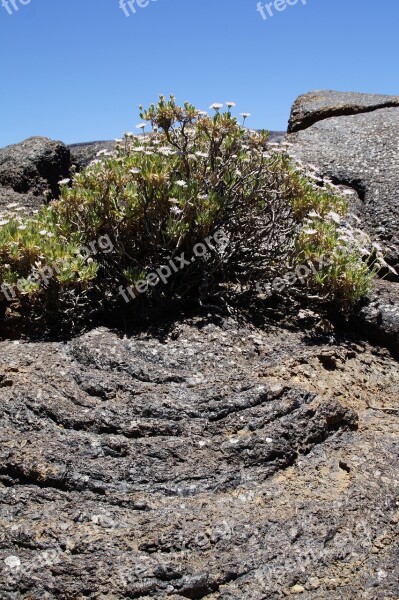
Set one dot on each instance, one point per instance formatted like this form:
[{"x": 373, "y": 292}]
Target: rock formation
[{"x": 32, "y": 168}]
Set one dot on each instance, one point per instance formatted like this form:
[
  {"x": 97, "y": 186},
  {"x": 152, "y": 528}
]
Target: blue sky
[{"x": 76, "y": 70}]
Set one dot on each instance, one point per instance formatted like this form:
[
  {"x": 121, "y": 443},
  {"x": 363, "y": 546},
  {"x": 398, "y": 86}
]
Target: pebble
[
  {"x": 13, "y": 562},
  {"x": 297, "y": 589}
]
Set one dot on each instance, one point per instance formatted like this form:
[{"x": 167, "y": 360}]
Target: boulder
[
  {"x": 34, "y": 167},
  {"x": 316, "y": 106},
  {"x": 358, "y": 149}
]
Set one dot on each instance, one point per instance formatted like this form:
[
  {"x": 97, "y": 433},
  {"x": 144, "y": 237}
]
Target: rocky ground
[
  {"x": 206, "y": 460},
  {"x": 212, "y": 456}
]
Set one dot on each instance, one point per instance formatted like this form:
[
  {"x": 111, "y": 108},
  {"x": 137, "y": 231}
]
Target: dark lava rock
[
  {"x": 201, "y": 460},
  {"x": 316, "y": 106},
  {"x": 34, "y": 167}
]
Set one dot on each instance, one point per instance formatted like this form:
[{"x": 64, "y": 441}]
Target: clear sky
[{"x": 76, "y": 70}]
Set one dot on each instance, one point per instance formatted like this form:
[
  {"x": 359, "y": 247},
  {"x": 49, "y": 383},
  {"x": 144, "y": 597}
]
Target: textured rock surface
[
  {"x": 207, "y": 460},
  {"x": 362, "y": 152},
  {"x": 316, "y": 106},
  {"x": 34, "y": 167},
  {"x": 379, "y": 318}
]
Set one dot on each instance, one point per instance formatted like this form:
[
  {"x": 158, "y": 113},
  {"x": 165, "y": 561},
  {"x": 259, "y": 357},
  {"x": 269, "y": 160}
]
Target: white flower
[
  {"x": 43, "y": 232},
  {"x": 118, "y": 140},
  {"x": 202, "y": 113},
  {"x": 175, "y": 210},
  {"x": 135, "y": 171},
  {"x": 89, "y": 261},
  {"x": 141, "y": 125},
  {"x": 21, "y": 227},
  {"x": 313, "y": 214},
  {"x": 334, "y": 217},
  {"x": 165, "y": 149},
  {"x": 245, "y": 115},
  {"x": 376, "y": 246},
  {"x": 181, "y": 183},
  {"x": 346, "y": 238},
  {"x": 129, "y": 134},
  {"x": 230, "y": 104},
  {"x": 138, "y": 149},
  {"x": 50, "y": 234},
  {"x": 201, "y": 154},
  {"x": 13, "y": 205},
  {"x": 216, "y": 106},
  {"x": 174, "y": 200},
  {"x": 203, "y": 197},
  {"x": 64, "y": 181},
  {"x": 310, "y": 231},
  {"x": 4, "y": 222}
]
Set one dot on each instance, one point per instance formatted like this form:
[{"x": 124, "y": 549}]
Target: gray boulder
[
  {"x": 358, "y": 150},
  {"x": 319, "y": 105}
]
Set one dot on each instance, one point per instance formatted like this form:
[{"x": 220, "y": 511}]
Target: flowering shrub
[{"x": 159, "y": 194}]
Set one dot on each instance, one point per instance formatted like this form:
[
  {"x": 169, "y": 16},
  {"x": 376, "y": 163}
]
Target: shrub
[{"x": 158, "y": 195}]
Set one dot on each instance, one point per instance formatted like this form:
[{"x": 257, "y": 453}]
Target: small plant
[{"x": 161, "y": 193}]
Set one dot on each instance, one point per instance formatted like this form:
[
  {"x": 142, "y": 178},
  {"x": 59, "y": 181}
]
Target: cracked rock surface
[{"x": 209, "y": 459}]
